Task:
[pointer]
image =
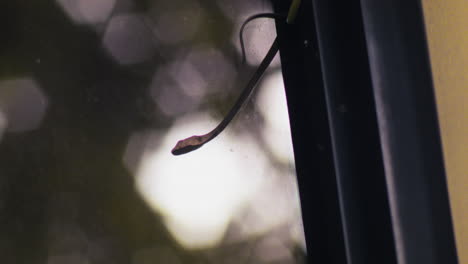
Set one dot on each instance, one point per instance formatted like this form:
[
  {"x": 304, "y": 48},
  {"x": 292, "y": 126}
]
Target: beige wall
[{"x": 447, "y": 31}]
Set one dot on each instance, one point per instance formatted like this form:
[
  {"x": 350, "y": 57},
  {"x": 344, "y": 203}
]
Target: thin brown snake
[{"x": 194, "y": 142}]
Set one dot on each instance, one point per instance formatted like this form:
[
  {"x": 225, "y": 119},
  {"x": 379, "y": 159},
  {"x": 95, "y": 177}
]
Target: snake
[{"x": 196, "y": 141}]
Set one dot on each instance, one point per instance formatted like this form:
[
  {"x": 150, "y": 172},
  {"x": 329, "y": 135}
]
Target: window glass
[{"x": 94, "y": 95}]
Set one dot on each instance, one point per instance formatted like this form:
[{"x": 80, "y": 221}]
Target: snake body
[{"x": 194, "y": 142}]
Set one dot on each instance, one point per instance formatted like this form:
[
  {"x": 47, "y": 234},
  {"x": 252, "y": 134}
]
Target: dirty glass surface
[{"x": 94, "y": 95}]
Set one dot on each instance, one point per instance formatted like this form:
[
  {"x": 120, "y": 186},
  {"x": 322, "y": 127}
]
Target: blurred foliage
[{"x": 65, "y": 195}]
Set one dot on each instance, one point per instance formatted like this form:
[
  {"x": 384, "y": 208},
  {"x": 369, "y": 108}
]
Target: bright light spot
[
  {"x": 87, "y": 11},
  {"x": 168, "y": 95},
  {"x": 178, "y": 87},
  {"x": 198, "y": 193},
  {"x": 189, "y": 79},
  {"x": 95, "y": 11},
  {"x": 271, "y": 103},
  {"x": 138, "y": 143},
  {"x": 259, "y": 34},
  {"x": 128, "y": 39},
  {"x": 297, "y": 232},
  {"x": 23, "y": 104},
  {"x": 276, "y": 203},
  {"x": 229, "y": 181},
  {"x": 216, "y": 70},
  {"x": 273, "y": 250}
]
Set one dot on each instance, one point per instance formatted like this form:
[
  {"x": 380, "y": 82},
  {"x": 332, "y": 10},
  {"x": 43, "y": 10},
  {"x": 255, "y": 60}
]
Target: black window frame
[{"x": 365, "y": 133}]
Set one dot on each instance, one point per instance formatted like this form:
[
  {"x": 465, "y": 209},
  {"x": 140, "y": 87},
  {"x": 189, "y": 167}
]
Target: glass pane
[{"x": 93, "y": 97}]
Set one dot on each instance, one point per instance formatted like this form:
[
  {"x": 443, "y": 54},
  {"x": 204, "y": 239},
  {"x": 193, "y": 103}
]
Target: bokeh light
[
  {"x": 169, "y": 97},
  {"x": 229, "y": 181},
  {"x": 198, "y": 193},
  {"x": 87, "y": 11},
  {"x": 128, "y": 39},
  {"x": 180, "y": 86},
  {"x": 114, "y": 62},
  {"x": 23, "y": 104},
  {"x": 273, "y": 250},
  {"x": 216, "y": 69},
  {"x": 188, "y": 78},
  {"x": 276, "y": 133},
  {"x": 258, "y": 37}
]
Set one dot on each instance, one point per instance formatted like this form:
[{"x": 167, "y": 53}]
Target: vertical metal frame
[
  {"x": 354, "y": 132},
  {"x": 311, "y": 136},
  {"x": 365, "y": 133},
  {"x": 409, "y": 131}
]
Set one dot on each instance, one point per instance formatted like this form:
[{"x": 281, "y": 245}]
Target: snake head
[{"x": 187, "y": 145}]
